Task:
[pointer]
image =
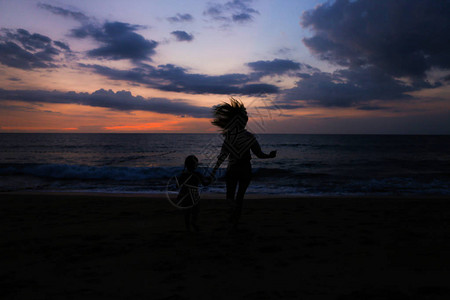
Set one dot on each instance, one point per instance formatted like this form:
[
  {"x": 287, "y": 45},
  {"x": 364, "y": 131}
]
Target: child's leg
[
  {"x": 194, "y": 217},
  {"x": 187, "y": 218}
]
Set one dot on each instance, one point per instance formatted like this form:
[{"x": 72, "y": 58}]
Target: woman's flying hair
[{"x": 230, "y": 115}]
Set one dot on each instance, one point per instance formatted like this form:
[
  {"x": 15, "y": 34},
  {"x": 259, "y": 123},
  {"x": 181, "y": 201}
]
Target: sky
[{"x": 313, "y": 66}]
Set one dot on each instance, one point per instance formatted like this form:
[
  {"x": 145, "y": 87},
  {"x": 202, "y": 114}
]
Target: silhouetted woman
[{"x": 232, "y": 119}]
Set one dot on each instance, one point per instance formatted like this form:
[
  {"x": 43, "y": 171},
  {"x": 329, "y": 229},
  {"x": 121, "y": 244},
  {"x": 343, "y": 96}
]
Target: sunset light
[{"x": 117, "y": 60}]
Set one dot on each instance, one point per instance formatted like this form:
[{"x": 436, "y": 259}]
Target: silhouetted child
[{"x": 189, "y": 197}]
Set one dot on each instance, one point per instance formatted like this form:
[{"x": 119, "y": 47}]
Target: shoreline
[{"x": 207, "y": 196}]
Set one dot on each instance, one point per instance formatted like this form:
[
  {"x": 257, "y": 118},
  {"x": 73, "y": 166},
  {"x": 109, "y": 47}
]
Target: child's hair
[
  {"x": 230, "y": 115},
  {"x": 190, "y": 162}
]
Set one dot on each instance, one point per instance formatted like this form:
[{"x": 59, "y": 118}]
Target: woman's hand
[
  {"x": 212, "y": 176},
  {"x": 273, "y": 154}
]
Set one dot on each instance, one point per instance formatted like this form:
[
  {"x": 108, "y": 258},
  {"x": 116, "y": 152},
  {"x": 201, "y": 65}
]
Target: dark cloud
[
  {"x": 263, "y": 68},
  {"x": 238, "y": 11},
  {"x": 182, "y": 36},
  {"x": 178, "y": 18},
  {"x": 257, "y": 89},
  {"x": 13, "y": 55},
  {"x": 276, "y": 66},
  {"x": 176, "y": 79},
  {"x": 14, "y": 79},
  {"x": 303, "y": 75},
  {"x": 402, "y": 37},
  {"x": 242, "y": 18},
  {"x": 20, "y": 49},
  {"x": 350, "y": 87},
  {"x": 121, "y": 100},
  {"x": 280, "y": 107},
  {"x": 373, "y": 107},
  {"x": 29, "y": 41},
  {"x": 120, "y": 41},
  {"x": 64, "y": 12},
  {"x": 385, "y": 47},
  {"x": 62, "y": 45}
]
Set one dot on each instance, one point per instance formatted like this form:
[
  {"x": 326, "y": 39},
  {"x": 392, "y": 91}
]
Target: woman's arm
[
  {"x": 220, "y": 159},
  {"x": 256, "y": 149}
]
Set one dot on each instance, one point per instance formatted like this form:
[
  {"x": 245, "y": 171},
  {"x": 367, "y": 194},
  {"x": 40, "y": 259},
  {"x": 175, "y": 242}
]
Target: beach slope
[{"x": 99, "y": 246}]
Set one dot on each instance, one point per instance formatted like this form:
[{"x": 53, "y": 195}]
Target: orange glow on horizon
[{"x": 166, "y": 126}]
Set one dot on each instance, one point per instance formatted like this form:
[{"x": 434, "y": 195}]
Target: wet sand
[{"x": 99, "y": 246}]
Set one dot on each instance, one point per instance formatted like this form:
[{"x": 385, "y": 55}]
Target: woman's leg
[
  {"x": 231, "y": 182},
  {"x": 245, "y": 176},
  {"x": 243, "y": 185}
]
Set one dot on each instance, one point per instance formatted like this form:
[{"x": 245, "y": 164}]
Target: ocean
[{"x": 310, "y": 165}]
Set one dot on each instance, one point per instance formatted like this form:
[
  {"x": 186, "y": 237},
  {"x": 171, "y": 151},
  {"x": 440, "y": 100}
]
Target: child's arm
[{"x": 203, "y": 179}]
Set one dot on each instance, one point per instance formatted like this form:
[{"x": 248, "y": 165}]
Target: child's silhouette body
[{"x": 189, "y": 196}]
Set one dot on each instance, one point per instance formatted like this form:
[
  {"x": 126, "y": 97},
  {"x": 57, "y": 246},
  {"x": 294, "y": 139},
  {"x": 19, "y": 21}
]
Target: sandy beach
[{"x": 112, "y": 246}]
